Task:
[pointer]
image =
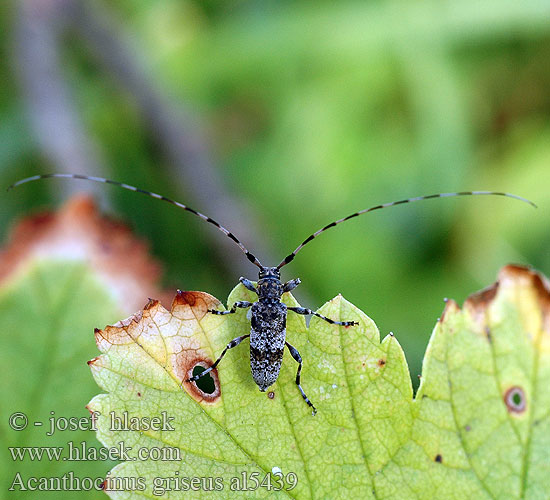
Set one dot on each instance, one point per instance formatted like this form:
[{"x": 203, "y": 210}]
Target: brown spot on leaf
[
  {"x": 187, "y": 367},
  {"x": 193, "y": 305},
  {"x": 150, "y": 304},
  {"x": 92, "y": 361},
  {"x": 139, "y": 394},
  {"x": 438, "y": 458},
  {"x": 187, "y": 297},
  {"x": 271, "y": 395},
  {"x": 381, "y": 362},
  {"x": 170, "y": 339},
  {"x": 515, "y": 400}
]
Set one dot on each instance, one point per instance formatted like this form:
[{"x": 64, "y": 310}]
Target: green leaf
[
  {"x": 478, "y": 427},
  {"x": 47, "y": 312},
  {"x": 60, "y": 273}
]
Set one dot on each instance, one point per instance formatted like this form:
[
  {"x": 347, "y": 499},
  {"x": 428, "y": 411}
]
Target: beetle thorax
[{"x": 269, "y": 284}]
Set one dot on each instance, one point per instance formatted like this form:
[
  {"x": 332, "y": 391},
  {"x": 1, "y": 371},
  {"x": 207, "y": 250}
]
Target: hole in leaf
[
  {"x": 205, "y": 384},
  {"x": 205, "y": 390},
  {"x": 271, "y": 395},
  {"x": 515, "y": 400}
]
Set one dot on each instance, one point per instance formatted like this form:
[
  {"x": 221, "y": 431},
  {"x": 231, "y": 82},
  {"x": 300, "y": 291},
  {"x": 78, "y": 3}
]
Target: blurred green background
[{"x": 278, "y": 117}]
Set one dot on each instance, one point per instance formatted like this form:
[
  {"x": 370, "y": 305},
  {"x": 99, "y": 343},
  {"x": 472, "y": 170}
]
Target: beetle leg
[
  {"x": 305, "y": 311},
  {"x": 296, "y": 355},
  {"x": 248, "y": 284},
  {"x": 291, "y": 285},
  {"x": 242, "y": 303},
  {"x": 233, "y": 343}
]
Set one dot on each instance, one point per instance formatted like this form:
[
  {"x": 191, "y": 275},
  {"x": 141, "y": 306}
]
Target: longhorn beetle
[{"x": 268, "y": 313}]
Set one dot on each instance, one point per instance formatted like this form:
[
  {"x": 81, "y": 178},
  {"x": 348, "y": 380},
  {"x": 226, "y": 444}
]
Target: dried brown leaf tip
[
  {"x": 77, "y": 232},
  {"x": 172, "y": 341},
  {"x": 523, "y": 286}
]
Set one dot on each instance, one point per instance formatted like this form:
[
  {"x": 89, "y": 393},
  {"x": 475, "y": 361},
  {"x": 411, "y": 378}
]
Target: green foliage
[
  {"x": 478, "y": 427},
  {"x": 48, "y": 314},
  {"x": 315, "y": 110},
  {"x": 311, "y": 111}
]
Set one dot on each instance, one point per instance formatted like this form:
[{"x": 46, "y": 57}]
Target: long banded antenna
[
  {"x": 291, "y": 256},
  {"x": 229, "y": 234}
]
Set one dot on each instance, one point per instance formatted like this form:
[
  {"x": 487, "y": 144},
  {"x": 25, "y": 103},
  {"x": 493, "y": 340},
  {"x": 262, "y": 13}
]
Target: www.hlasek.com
[{"x": 82, "y": 451}]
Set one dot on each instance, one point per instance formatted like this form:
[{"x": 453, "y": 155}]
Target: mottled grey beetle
[{"x": 268, "y": 313}]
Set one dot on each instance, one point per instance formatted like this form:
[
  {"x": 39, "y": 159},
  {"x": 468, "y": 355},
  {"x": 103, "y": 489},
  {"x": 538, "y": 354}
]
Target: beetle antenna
[
  {"x": 291, "y": 256},
  {"x": 229, "y": 234}
]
